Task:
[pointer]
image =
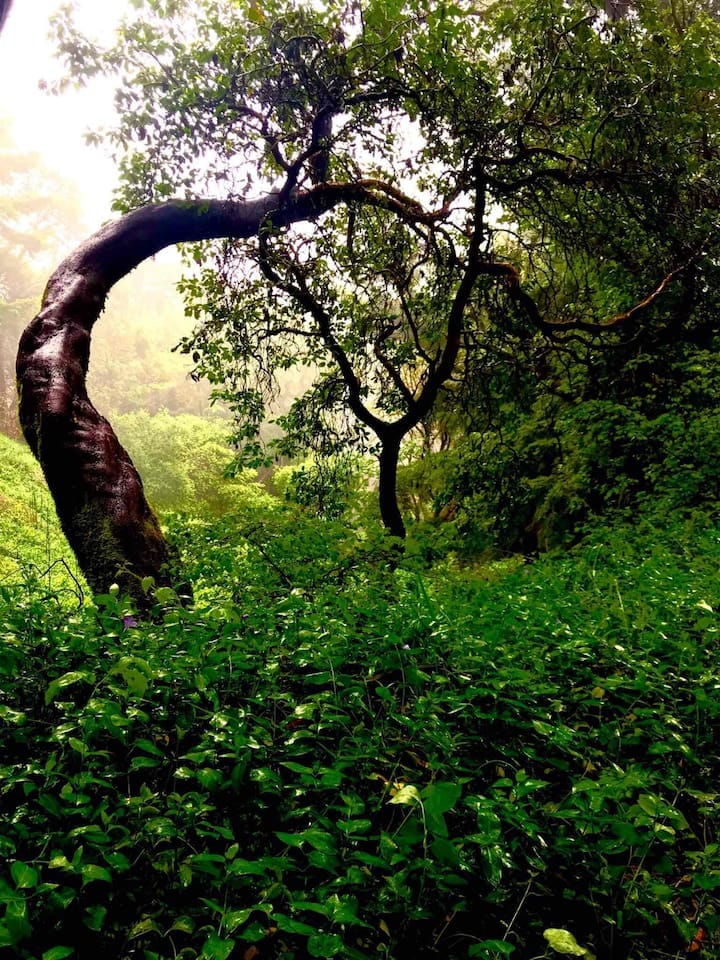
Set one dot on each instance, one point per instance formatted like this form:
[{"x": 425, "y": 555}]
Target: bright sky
[{"x": 54, "y": 126}]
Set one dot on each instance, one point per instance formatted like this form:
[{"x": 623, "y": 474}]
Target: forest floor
[{"x": 336, "y": 754}]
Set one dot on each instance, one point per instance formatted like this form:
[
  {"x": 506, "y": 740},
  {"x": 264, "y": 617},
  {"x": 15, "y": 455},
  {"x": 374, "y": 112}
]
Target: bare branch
[
  {"x": 512, "y": 277},
  {"x": 300, "y": 293},
  {"x": 389, "y": 367}
]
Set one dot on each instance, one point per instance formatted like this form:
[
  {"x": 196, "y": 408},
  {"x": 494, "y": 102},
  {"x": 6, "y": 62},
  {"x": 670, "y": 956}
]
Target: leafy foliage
[
  {"x": 331, "y": 487},
  {"x": 339, "y": 750},
  {"x": 182, "y": 459},
  {"x": 508, "y": 171},
  {"x": 133, "y": 365},
  {"x": 334, "y": 756},
  {"x": 613, "y": 435},
  {"x": 37, "y": 217},
  {"x": 33, "y": 550}
]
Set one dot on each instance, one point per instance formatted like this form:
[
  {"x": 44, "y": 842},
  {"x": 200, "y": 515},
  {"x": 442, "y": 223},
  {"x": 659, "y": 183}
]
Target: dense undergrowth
[
  {"x": 33, "y": 549},
  {"x": 337, "y": 753}
]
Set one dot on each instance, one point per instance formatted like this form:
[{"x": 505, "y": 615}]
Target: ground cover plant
[
  {"x": 336, "y": 754},
  {"x": 33, "y": 549}
]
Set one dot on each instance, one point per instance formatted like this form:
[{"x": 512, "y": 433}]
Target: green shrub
[
  {"x": 333, "y": 755},
  {"x": 182, "y": 459},
  {"x": 33, "y": 549}
]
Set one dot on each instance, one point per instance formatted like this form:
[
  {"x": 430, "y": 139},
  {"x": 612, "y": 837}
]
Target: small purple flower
[{"x": 129, "y": 621}]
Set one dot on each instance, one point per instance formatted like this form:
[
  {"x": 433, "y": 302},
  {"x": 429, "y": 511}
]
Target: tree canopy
[
  {"x": 492, "y": 251},
  {"x": 421, "y": 186}
]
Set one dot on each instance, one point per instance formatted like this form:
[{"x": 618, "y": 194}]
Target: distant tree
[
  {"x": 182, "y": 460},
  {"x": 134, "y": 367},
  {"x": 38, "y": 217},
  {"x": 410, "y": 185}
]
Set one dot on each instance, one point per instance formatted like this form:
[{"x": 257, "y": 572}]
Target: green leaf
[
  {"x": 332, "y": 779},
  {"x": 235, "y": 918},
  {"x": 11, "y": 716},
  {"x": 324, "y": 945},
  {"x": 65, "y": 681},
  {"x": 544, "y": 729},
  {"x": 562, "y": 941},
  {"x": 146, "y": 925},
  {"x": 209, "y": 778},
  {"x": 91, "y": 872},
  {"x": 344, "y": 910},
  {"x": 650, "y": 804},
  {"x": 256, "y": 867},
  {"x": 16, "y": 921},
  {"x": 165, "y": 594},
  {"x": 297, "y": 767},
  {"x": 136, "y": 673},
  {"x": 24, "y": 876},
  {"x": 440, "y": 797},
  {"x": 58, "y": 953},
  {"x": 288, "y": 925},
  {"x": 445, "y": 852},
  {"x": 626, "y": 832},
  {"x": 216, "y": 948},
  {"x": 407, "y": 796},
  {"x": 318, "y": 839}
]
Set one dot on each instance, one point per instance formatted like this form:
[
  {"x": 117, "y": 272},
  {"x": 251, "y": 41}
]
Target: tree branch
[
  {"x": 301, "y": 294},
  {"x": 389, "y": 367},
  {"x": 512, "y": 277},
  {"x": 453, "y": 341},
  {"x": 4, "y": 11}
]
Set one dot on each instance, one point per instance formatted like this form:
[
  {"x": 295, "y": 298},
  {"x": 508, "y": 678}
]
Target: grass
[
  {"x": 33, "y": 549},
  {"x": 336, "y": 755}
]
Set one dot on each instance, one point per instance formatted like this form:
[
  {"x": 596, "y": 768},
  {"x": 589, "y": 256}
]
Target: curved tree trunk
[{"x": 97, "y": 491}]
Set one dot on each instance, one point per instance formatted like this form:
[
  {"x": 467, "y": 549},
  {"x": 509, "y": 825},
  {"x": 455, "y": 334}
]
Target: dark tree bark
[
  {"x": 387, "y": 485},
  {"x": 4, "y": 10},
  {"x": 97, "y": 491},
  {"x": 617, "y": 9}
]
